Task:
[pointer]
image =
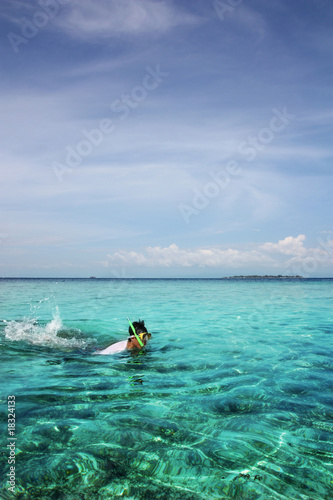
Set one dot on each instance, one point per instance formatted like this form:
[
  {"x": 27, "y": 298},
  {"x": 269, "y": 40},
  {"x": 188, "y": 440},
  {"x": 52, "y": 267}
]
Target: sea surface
[{"x": 232, "y": 399}]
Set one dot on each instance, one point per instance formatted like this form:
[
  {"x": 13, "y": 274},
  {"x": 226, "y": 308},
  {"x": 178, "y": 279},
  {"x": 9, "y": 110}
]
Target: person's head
[
  {"x": 139, "y": 327},
  {"x": 142, "y": 333}
]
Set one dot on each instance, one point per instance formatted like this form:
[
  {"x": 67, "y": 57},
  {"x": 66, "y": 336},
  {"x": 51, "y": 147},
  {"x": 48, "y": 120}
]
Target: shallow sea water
[{"x": 232, "y": 399}]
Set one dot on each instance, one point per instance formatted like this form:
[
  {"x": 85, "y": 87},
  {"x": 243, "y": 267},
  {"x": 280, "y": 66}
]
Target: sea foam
[{"x": 52, "y": 334}]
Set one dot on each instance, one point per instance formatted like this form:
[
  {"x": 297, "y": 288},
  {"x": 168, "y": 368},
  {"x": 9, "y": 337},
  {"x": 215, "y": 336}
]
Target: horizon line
[{"x": 162, "y": 278}]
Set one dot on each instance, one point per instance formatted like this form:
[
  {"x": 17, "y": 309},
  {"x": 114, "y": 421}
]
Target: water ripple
[{"x": 249, "y": 417}]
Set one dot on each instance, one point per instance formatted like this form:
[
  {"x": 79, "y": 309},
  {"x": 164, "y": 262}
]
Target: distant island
[{"x": 266, "y": 277}]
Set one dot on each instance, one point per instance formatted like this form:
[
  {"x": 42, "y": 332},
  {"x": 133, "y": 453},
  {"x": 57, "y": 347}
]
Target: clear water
[{"x": 231, "y": 399}]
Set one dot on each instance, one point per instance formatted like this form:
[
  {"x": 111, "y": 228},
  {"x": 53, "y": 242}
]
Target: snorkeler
[{"x": 138, "y": 339}]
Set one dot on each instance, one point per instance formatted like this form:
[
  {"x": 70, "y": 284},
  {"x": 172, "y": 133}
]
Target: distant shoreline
[
  {"x": 225, "y": 278},
  {"x": 266, "y": 277}
]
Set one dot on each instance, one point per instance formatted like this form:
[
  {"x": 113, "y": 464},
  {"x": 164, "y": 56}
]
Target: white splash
[{"x": 28, "y": 330}]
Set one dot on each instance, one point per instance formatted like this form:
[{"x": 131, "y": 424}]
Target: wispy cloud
[
  {"x": 108, "y": 19},
  {"x": 86, "y": 61}
]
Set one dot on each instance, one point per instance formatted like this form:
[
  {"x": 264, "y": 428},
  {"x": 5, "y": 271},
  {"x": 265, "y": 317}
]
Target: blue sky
[{"x": 163, "y": 138}]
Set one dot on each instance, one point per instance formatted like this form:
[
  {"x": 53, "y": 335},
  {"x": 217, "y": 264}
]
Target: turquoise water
[{"x": 231, "y": 399}]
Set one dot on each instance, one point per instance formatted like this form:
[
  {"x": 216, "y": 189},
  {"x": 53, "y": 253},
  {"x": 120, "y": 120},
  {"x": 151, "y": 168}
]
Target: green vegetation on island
[{"x": 266, "y": 277}]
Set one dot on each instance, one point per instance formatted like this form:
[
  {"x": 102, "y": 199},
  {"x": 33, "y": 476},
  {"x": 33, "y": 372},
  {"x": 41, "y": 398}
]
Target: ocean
[{"x": 231, "y": 399}]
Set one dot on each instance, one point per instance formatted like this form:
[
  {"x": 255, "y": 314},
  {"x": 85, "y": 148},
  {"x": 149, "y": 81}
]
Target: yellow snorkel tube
[{"x": 141, "y": 344}]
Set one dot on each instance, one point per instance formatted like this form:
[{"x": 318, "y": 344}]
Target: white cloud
[
  {"x": 288, "y": 246},
  {"x": 301, "y": 260},
  {"x": 174, "y": 256}
]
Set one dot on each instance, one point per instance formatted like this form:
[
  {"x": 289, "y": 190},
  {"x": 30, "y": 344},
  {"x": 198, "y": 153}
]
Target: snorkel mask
[{"x": 142, "y": 335}]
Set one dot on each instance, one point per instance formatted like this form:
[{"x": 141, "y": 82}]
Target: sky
[{"x": 164, "y": 138}]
